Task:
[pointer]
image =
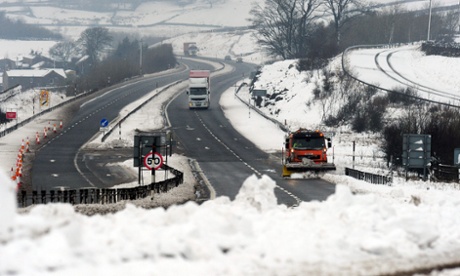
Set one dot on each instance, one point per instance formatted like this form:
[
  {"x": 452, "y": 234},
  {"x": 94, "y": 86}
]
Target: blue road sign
[{"x": 104, "y": 122}]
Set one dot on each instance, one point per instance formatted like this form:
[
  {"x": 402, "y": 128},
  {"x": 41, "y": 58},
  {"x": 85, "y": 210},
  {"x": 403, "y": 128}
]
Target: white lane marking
[{"x": 297, "y": 199}]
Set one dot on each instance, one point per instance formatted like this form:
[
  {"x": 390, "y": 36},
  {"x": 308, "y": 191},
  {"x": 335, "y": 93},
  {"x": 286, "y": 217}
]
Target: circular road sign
[
  {"x": 104, "y": 122},
  {"x": 153, "y": 161}
]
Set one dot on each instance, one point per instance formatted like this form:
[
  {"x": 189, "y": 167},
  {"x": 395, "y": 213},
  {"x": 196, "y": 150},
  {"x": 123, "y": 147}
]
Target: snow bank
[
  {"x": 7, "y": 206},
  {"x": 344, "y": 234}
]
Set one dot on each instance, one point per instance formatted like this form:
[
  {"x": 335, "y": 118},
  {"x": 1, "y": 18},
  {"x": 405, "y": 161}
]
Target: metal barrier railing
[
  {"x": 98, "y": 195},
  {"x": 369, "y": 177}
]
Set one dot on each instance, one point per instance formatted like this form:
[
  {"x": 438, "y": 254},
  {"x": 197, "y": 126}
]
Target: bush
[
  {"x": 308, "y": 64},
  {"x": 442, "y": 123},
  {"x": 406, "y": 96}
]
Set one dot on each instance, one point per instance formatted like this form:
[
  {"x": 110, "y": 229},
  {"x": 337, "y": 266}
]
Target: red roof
[{"x": 199, "y": 73}]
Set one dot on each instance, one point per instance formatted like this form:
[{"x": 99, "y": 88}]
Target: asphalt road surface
[
  {"x": 225, "y": 156},
  {"x": 55, "y": 164}
]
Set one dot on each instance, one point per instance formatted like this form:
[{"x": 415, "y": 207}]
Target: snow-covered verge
[
  {"x": 345, "y": 235},
  {"x": 26, "y": 104}
]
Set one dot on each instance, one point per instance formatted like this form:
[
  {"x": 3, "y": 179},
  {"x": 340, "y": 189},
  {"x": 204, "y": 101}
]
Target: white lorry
[{"x": 199, "y": 94}]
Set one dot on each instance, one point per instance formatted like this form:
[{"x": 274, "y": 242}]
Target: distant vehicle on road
[
  {"x": 227, "y": 57},
  {"x": 190, "y": 49},
  {"x": 239, "y": 60}
]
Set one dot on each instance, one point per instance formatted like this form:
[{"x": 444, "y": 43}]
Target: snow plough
[{"x": 306, "y": 151}]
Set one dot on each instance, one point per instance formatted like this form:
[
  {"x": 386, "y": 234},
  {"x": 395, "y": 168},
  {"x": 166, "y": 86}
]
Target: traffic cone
[
  {"x": 37, "y": 140},
  {"x": 54, "y": 128},
  {"x": 27, "y": 147},
  {"x": 18, "y": 183},
  {"x": 22, "y": 144},
  {"x": 60, "y": 124},
  {"x": 45, "y": 135}
]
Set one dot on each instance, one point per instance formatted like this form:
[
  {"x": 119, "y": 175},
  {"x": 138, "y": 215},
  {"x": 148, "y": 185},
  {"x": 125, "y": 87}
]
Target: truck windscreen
[
  {"x": 197, "y": 91},
  {"x": 309, "y": 143}
]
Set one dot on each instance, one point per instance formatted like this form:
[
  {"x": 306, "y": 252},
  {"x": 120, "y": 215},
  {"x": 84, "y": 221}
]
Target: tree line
[
  {"x": 320, "y": 29},
  {"x": 16, "y": 29},
  {"x": 99, "y": 64}
]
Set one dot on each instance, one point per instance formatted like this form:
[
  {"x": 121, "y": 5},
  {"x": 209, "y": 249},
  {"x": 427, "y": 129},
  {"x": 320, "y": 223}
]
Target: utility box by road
[
  {"x": 416, "y": 152},
  {"x": 457, "y": 157}
]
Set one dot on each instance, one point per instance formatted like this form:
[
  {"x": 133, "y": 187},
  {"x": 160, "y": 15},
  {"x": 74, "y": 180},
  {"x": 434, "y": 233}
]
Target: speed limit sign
[{"x": 153, "y": 161}]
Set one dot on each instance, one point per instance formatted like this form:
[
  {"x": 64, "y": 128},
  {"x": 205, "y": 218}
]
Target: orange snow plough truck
[{"x": 306, "y": 151}]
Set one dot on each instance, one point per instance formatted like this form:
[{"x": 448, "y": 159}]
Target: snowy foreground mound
[{"x": 252, "y": 235}]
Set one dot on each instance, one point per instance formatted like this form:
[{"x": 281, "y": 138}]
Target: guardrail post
[
  {"x": 34, "y": 197},
  {"x": 72, "y": 196},
  {"x": 43, "y": 197}
]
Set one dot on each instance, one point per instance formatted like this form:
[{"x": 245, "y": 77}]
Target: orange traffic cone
[
  {"x": 18, "y": 184},
  {"x": 60, "y": 124}
]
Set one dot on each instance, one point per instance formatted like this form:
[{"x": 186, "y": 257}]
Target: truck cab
[{"x": 306, "y": 150}]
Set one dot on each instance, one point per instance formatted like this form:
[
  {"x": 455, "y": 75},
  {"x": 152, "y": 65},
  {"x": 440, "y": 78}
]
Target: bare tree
[
  {"x": 94, "y": 42},
  {"x": 282, "y": 25},
  {"x": 63, "y": 51},
  {"x": 451, "y": 20},
  {"x": 341, "y": 11}
]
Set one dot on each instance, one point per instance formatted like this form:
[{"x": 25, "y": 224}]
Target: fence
[
  {"x": 445, "y": 173},
  {"x": 97, "y": 195},
  {"x": 369, "y": 177}
]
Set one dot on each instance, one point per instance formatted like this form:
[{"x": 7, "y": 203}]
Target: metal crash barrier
[
  {"x": 369, "y": 177},
  {"x": 99, "y": 196}
]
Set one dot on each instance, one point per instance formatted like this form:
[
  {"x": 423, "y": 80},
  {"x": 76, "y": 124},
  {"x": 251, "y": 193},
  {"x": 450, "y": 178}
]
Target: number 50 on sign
[{"x": 153, "y": 161}]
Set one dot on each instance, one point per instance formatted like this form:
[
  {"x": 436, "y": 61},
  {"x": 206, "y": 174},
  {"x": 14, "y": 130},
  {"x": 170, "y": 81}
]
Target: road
[
  {"x": 55, "y": 164},
  {"x": 225, "y": 156}
]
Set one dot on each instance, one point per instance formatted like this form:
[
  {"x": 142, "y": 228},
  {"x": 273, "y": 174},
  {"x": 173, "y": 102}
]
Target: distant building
[
  {"x": 27, "y": 79},
  {"x": 37, "y": 62},
  {"x": 7, "y": 64}
]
